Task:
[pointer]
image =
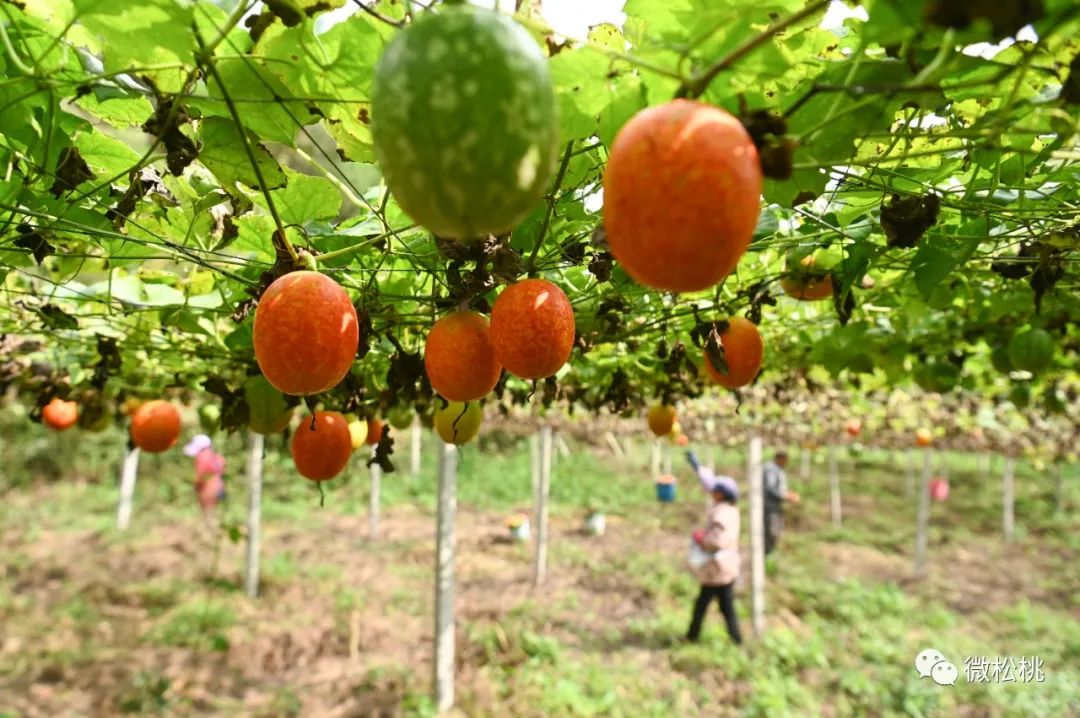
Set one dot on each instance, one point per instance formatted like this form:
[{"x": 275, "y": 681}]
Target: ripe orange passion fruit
[
  {"x": 155, "y": 426},
  {"x": 374, "y": 431},
  {"x": 532, "y": 328},
  {"x": 682, "y": 194},
  {"x": 59, "y": 414},
  {"x": 306, "y": 333},
  {"x": 744, "y": 351},
  {"x": 459, "y": 359},
  {"x": 321, "y": 446}
]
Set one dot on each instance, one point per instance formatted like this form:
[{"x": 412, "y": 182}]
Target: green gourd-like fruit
[
  {"x": 210, "y": 418},
  {"x": 1000, "y": 360},
  {"x": 268, "y": 413},
  {"x": 464, "y": 121},
  {"x": 1031, "y": 350},
  {"x": 939, "y": 377},
  {"x": 400, "y": 417}
]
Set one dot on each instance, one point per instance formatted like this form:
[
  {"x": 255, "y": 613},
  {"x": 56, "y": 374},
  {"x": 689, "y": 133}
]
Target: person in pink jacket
[
  {"x": 719, "y": 538},
  {"x": 209, "y": 467}
]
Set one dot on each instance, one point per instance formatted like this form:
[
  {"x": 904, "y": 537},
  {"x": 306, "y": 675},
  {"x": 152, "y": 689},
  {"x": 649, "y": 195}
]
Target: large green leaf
[
  {"x": 936, "y": 258},
  {"x": 149, "y": 32},
  {"x": 260, "y": 97},
  {"x": 305, "y": 199},
  {"x": 223, "y": 154}
]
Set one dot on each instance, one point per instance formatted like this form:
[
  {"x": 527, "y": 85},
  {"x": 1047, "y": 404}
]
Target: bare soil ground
[{"x": 343, "y": 626}]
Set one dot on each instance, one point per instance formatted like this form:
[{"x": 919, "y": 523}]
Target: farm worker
[
  {"x": 209, "y": 465},
  {"x": 719, "y": 538},
  {"x": 774, "y": 483}
]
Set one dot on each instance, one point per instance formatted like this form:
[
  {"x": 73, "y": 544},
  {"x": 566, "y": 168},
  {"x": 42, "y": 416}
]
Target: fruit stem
[
  {"x": 696, "y": 85},
  {"x": 379, "y": 16},
  {"x": 344, "y": 251},
  {"x": 567, "y": 154},
  {"x": 13, "y": 56},
  {"x": 306, "y": 260}
]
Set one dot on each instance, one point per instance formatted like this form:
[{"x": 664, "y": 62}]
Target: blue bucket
[{"x": 665, "y": 492}]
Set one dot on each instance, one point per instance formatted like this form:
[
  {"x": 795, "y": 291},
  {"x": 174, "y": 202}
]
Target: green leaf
[
  {"x": 210, "y": 300},
  {"x": 829, "y": 124},
  {"x": 189, "y": 322},
  {"x": 138, "y": 34},
  {"x": 804, "y": 184},
  {"x": 240, "y": 339},
  {"x": 936, "y": 257},
  {"x": 845, "y": 348},
  {"x": 306, "y": 198},
  {"x": 256, "y": 236},
  {"x": 162, "y": 295},
  {"x": 106, "y": 156},
  {"x": 627, "y": 99},
  {"x": 852, "y": 268},
  {"x": 222, "y": 152},
  {"x": 889, "y": 21},
  {"x": 339, "y": 64},
  {"x": 582, "y": 89},
  {"x": 123, "y": 288},
  {"x": 119, "y": 110},
  {"x": 260, "y": 98},
  {"x": 1013, "y": 170},
  {"x": 648, "y": 21}
]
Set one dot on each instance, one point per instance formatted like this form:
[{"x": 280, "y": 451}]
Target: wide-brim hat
[
  {"x": 197, "y": 444},
  {"x": 725, "y": 485}
]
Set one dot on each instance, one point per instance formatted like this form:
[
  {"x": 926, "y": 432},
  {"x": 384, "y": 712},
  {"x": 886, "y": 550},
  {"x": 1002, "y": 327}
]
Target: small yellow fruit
[
  {"x": 661, "y": 418},
  {"x": 459, "y": 423},
  {"x": 357, "y": 433}
]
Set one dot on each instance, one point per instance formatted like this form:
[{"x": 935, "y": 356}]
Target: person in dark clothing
[
  {"x": 717, "y": 545},
  {"x": 725, "y": 595},
  {"x": 774, "y": 484}
]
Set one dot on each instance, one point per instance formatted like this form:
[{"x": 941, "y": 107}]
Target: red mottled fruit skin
[
  {"x": 682, "y": 192},
  {"x": 532, "y": 329},
  {"x": 743, "y": 351},
  {"x": 155, "y": 426},
  {"x": 59, "y": 414},
  {"x": 374, "y": 431},
  {"x": 459, "y": 359},
  {"x": 322, "y": 453},
  {"x": 305, "y": 334}
]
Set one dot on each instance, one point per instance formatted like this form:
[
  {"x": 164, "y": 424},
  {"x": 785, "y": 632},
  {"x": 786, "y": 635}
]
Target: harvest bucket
[
  {"x": 518, "y": 526},
  {"x": 665, "y": 489},
  {"x": 595, "y": 524}
]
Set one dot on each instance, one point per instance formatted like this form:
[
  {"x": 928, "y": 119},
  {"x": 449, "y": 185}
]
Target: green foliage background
[{"x": 143, "y": 145}]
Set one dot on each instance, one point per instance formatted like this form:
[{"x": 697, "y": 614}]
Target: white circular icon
[{"x": 926, "y": 660}]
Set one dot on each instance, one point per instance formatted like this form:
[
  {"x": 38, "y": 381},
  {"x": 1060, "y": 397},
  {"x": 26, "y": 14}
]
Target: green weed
[{"x": 199, "y": 625}]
